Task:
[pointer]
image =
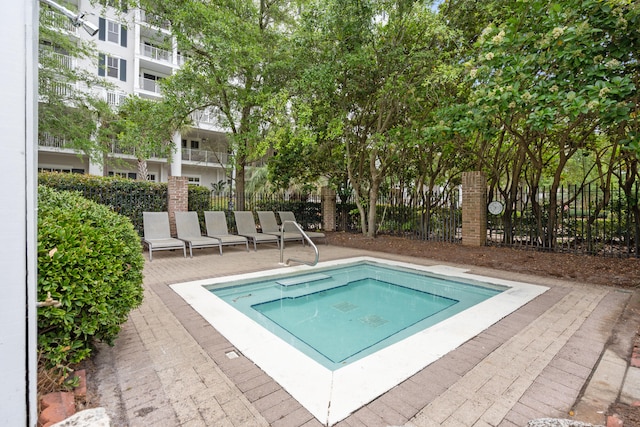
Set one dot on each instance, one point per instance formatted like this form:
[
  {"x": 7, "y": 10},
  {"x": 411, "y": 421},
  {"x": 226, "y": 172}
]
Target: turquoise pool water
[{"x": 339, "y": 315}]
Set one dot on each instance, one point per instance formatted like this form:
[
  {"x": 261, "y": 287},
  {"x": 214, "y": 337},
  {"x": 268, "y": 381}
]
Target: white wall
[{"x": 18, "y": 27}]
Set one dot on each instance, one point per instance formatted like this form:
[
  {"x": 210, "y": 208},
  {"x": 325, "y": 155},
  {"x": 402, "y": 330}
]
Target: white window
[
  {"x": 131, "y": 175},
  {"x": 193, "y": 180},
  {"x": 62, "y": 170},
  {"x": 113, "y": 66},
  {"x": 113, "y": 31},
  {"x": 192, "y": 143}
]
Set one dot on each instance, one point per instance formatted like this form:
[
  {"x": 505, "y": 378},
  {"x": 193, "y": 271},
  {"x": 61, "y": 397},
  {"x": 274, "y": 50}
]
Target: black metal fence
[
  {"x": 579, "y": 219},
  {"x": 415, "y": 216},
  {"x": 422, "y": 216},
  {"x": 307, "y": 208}
]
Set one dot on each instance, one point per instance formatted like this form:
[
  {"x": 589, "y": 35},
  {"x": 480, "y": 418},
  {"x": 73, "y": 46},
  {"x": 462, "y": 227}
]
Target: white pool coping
[{"x": 333, "y": 395}]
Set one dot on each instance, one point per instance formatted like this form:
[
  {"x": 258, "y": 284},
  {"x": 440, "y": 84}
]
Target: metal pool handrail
[{"x": 304, "y": 236}]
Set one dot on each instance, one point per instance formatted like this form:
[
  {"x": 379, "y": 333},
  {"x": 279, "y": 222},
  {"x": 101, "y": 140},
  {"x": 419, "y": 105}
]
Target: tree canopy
[{"x": 368, "y": 79}]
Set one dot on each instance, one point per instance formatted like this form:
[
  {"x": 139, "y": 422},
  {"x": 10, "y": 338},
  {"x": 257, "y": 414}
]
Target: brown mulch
[{"x": 620, "y": 272}]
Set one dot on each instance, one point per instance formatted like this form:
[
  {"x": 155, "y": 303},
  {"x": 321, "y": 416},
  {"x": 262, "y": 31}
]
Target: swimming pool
[
  {"x": 342, "y": 314},
  {"x": 332, "y": 393}
]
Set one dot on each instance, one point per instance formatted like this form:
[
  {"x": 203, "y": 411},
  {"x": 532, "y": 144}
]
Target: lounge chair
[
  {"x": 216, "y": 222},
  {"x": 157, "y": 234},
  {"x": 269, "y": 225},
  {"x": 188, "y": 229},
  {"x": 289, "y": 216},
  {"x": 246, "y": 226}
]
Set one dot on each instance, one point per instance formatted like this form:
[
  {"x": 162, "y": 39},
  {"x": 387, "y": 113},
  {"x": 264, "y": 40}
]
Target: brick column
[
  {"x": 328, "y": 209},
  {"x": 178, "y": 199},
  {"x": 474, "y": 209}
]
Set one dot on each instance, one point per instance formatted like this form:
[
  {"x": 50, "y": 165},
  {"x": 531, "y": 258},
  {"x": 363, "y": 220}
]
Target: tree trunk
[
  {"x": 143, "y": 172},
  {"x": 240, "y": 180}
]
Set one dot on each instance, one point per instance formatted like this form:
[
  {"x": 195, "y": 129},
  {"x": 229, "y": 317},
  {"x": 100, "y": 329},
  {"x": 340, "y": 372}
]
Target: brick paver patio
[{"x": 169, "y": 367}]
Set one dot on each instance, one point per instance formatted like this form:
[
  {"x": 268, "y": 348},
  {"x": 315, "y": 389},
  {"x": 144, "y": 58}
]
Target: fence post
[
  {"x": 474, "y": 209},
  {"x": 178, "y": 194},
  {"x": 328, "y": 209}
]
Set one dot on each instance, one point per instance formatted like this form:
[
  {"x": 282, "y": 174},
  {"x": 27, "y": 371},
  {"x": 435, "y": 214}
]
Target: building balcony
[
  {"x": 155, "y": 53},
  {"x": 130, "y": 152},
  {"x": 56, "y": 59},
  {"x": 49, "y": 141},
  {"x": 58, "y": 21},
  {"x": 154, "y": 20},
  {"x": 204, "y": 156},
  {"x": 204, "y": 116},
  {"x": 150, "y": 85}
]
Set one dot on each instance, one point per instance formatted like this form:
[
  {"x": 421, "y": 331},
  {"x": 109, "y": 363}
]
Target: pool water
[{"x": 343, "y": 314}]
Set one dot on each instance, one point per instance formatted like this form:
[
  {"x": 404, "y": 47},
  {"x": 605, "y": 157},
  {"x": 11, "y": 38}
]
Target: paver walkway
[{"x": 169, "y": 367}]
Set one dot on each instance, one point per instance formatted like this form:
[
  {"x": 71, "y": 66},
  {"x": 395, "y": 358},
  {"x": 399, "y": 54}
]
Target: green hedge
[
  {"x": 90, "y": 259},
  {"x": 125, "y": 196}
]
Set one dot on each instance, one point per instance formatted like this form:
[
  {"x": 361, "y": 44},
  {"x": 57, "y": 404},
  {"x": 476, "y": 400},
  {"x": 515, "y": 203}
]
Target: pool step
[{"x": 302, "y": 279}]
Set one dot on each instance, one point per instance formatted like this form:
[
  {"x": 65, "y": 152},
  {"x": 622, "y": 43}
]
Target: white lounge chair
[
  {"x": 188, "y": 229},
  {"x": 216, "y": 222},
  {"x": 269, "y": 225},
  {"x": 246, "y": 226},
  {"x": 289, "y": 216},
  {"x": 157, "y": 234}
]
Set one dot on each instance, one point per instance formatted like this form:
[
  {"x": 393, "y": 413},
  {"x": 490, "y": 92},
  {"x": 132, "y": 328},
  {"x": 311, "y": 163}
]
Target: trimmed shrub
[
  {"x": 89, "y": 259},
  {"x": 124, "y": 196}
]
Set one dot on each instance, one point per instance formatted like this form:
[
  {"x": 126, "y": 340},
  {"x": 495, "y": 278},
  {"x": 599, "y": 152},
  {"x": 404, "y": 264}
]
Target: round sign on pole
[{"x": 495, "y": 208}]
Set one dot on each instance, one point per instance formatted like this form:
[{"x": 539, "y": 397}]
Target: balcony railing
[
  {"x": 47, "y": 140},
  {"x": 156, "y": 53},
  {"x": 204, "y": 116},
  {"x": 56, "y": 20},
  {"x": 204, "y": 156},
  {"x": 58, "y": 89},
  {"x": 182, "y": 59},
  {"x": 115, "y": 98},
  {"x": 154, "y": 20},
  {"x": 130, "y": 151},
  {"x": 57, "y": 59},
  {"x": 150, "y": 85}
]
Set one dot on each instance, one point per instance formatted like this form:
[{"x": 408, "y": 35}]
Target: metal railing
[
  {"x": 154, "y": 20},
  {"x": 150, "y": 85},
  {"x": 48, "y": 140},
  {"x": 59, "y": 21},
  {"x": 204, "y": 156},
  {"x": 115, "y": 98},
  {"x": 579, "y": 219},
  {"x": 305, "y": 237},
  {"x": 204, "y": 116},
  {"x": 156, "y": 53},
  {"x": 59, "y": 59}
]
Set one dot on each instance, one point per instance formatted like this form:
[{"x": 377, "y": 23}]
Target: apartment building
[{"x": 134, "y": 58}]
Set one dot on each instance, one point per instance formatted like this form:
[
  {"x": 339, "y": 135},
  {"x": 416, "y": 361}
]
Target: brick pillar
[
  {"x": 178, "y": 199},
  {"x": 328, "y": 209},
  {"x": 474, "y": 209}
]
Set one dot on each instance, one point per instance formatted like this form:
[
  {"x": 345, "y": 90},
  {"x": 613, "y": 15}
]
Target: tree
[
  {"x": 235, "y": 64},
  {"x": 551, "y": 77},
  {"x": 145, "y": 127},
  {"x": 368, "y": 80},
  {"x": 68, "y": 112}
]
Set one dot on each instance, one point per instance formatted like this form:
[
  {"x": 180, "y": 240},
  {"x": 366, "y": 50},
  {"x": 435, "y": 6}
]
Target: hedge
[{"x": 124, "y": 196}]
